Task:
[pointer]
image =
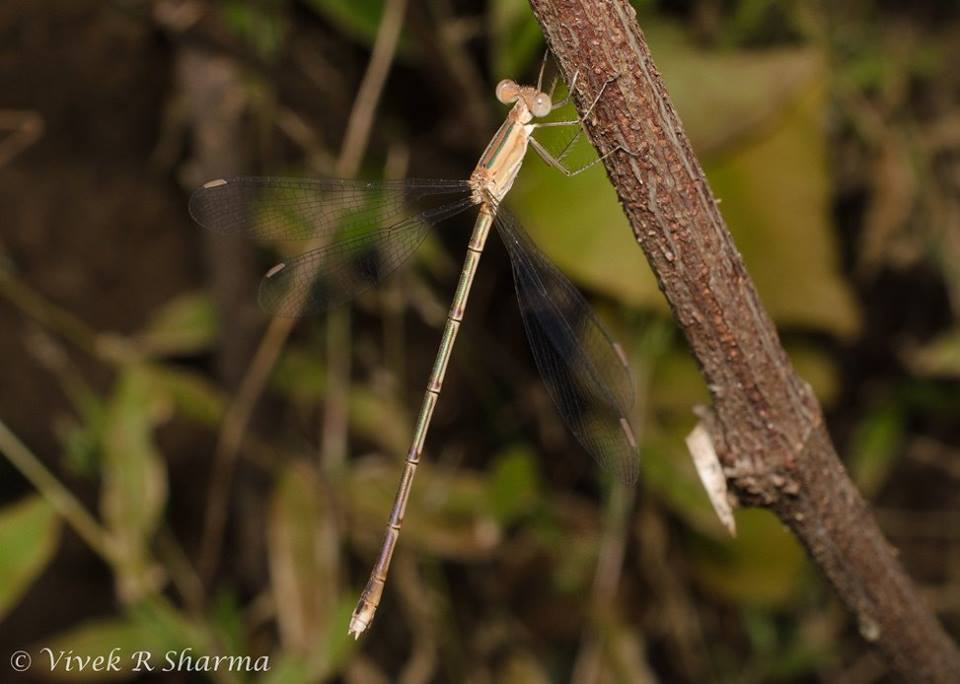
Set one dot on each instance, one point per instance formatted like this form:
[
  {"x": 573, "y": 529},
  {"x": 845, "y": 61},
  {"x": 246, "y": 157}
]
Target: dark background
[{"x": 831, "y": 134}]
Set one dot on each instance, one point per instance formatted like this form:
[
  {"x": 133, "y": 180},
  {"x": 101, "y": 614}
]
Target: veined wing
[
  {"x": 329, "y": 276},
  {"x": 307, "y": 208},
  {"x": 363, "y": 230},
  {"x": 584, "y": 370}
]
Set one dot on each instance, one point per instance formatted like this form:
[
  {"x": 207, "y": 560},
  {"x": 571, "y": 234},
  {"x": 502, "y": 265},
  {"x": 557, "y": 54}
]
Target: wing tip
[
  {"x": 199, "y": 206},
  {"x": 628, "y": 431},
  {"x": 621, "y": 354}
]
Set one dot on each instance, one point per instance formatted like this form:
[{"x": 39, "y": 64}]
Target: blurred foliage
[
  {"x": 29, "y": 535},
  {"x": 515, "y": 38},
  {"x": 830, "y": 135},
  {"x": 184, "y": 325},
  {"x": 940, "y": 357},
  {"x": 762, "y": 567},
  {"x": 260, "y": 24},
  {"x": 302, "y": 540},
  {"x": 133, "y": 478},
  {"x": 358, "y": 19}
]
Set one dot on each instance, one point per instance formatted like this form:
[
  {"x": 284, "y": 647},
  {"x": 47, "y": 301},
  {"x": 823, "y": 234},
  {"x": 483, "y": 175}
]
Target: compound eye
[
  {"x": 541, "y": 105},
  {"x": 507, "y": 91}
]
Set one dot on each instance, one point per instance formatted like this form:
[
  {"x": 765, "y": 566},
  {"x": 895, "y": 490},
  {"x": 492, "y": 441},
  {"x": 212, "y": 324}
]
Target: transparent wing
[
  {"x": 307, "y": 208},
  {"x": 364, "y": 230},
  {"x": 329, "y": 276},
  {"x": 584, "y": 370}
]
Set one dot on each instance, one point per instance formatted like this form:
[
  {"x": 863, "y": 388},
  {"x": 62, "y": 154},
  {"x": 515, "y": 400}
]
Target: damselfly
[{"x": 367, "y": 229}]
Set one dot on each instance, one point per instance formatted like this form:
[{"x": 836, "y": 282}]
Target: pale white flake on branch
[{"x": 711, "y": 475}]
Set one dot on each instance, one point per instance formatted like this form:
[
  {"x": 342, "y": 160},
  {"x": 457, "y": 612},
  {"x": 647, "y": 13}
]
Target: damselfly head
[{"x": 537, "y": 102}]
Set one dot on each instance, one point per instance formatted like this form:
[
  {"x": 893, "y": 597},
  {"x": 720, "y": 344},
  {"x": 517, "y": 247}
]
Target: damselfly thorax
[{"x": 501, "y": 160}]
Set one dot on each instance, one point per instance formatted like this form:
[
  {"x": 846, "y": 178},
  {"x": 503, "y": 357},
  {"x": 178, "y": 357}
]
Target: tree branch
[{"x": 766, "y": 424}]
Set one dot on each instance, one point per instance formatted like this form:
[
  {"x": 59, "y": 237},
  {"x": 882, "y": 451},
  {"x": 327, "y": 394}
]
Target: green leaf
[
  {"x": 515, "y": 484},
  {"x": 185, "y": 325},
  {"x": 815, "y": 366},
  {"x": 29, "y": 536},
  {"x": 81, "y": 444},
  {"x": 875, "y": 445},
  {"x": 188, "y": 392},
  {"x": 763, "y": 566},
  {"x": 677, "y": 385},
  {"x": 586, "y": 233},
  {"x": 726, "y": 97},
  {"x": 134, "y": 486},
  {"x": 81, "y": 436},
  {"x": 775, "y": 195}
]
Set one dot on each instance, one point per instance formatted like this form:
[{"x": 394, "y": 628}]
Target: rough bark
[{"x": 766, "y": 424}]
